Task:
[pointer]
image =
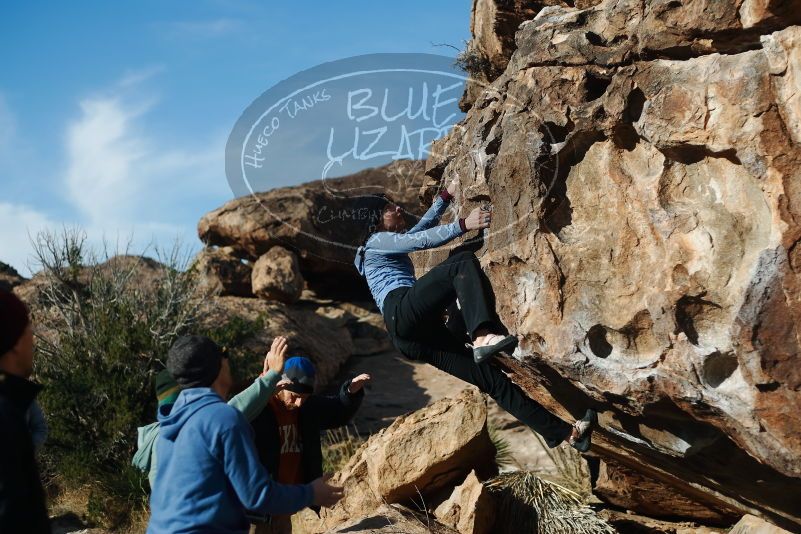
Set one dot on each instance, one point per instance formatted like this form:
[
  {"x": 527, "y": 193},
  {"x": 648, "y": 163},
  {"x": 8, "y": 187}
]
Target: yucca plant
[{"x": 530, "y": 504}]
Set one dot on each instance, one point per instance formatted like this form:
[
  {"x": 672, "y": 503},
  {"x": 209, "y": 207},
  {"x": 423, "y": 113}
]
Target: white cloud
[
  {"x": 124, "y": 180},
  {"x": 121, "y": 174},
  {"x": 138, "y": 76},
  {"x": 17, "y": 223}
]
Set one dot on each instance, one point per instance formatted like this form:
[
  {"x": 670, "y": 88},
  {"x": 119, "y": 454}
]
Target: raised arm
[
  {"x": 395, "y": 243},
  {"x": 337, "y": 410},
  {"x": 434, "y": 213},
  {"x": 253, "y": 400}
]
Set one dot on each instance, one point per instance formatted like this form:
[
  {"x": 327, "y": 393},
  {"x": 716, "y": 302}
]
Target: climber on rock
[{"x": 413, "y": 310}]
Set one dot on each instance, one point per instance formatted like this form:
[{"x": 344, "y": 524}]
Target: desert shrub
[
  {"x": 339, "y": 445},
  {"x": 233, "y": 336},
  {"x": 475, "y": 63},
  {"x": 103, "y": 324}
]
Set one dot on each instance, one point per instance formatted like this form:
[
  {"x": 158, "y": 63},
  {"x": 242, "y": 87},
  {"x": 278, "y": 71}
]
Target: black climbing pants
[{"x": 415, "y": 321}]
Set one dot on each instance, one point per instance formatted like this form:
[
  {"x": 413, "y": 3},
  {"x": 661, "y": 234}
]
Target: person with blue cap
[
  {"x": 209, "y": 472},
  {"x": 250, "y": 402},
  {"x": 288, "y": 431}
]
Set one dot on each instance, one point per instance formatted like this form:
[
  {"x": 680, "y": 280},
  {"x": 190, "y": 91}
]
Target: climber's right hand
[
  {"x": 324, "y": 493},
  {"x": 478, "y": 219},
  {"x": 452, "y": 186}
]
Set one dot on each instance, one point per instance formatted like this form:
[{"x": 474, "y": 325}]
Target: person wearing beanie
[
  {"x": 288, "y": 433},
  {"x": 208, "y": 471},
  {"x": 22, "y": 499},
  {"x": 250, "y": 402}
]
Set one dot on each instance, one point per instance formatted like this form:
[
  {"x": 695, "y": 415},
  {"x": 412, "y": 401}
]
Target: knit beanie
[
  {"x": 299, "y": 371},
  {"x": 194, "y": 361},
  {"x": 167, "y": 389},
  {"x": 13, "y": 320}
]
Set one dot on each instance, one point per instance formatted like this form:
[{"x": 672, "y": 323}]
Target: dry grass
[{"x": 339, "y": 445}]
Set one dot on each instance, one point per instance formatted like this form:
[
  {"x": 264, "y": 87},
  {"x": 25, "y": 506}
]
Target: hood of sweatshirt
[
  {"x": 359, "y": 260},
  {"x": 174, "y": 417}
]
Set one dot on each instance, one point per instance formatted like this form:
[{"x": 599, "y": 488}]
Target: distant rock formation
[
  {"x": 276, "y": 276},
  {"x": 9, "y": 277},
  {"x": 322, "y": 222},
  {"x": 223, "y": 273},
  {"x": 643, "y": 161}
]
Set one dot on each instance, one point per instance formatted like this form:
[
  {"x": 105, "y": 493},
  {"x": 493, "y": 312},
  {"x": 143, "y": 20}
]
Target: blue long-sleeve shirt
[
  {"x": 209, "y": 471},
  {"x": 384, "y": 259}
]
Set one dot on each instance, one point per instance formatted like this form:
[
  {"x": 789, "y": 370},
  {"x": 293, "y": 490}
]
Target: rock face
[
  {"x": 9, "y": 277},
  {"x": 417, "y": 455},
  {"x": 630, "y": 490},
  {"x": 493, "y": 24},
  {"x": 470, "y": 509},
  {"x": 323, "y": 222},
  {"x": 276, "y": 276},
  {"x": 392, "y": 519},
  {"x": 754, "y": 525},
  {"x": 223, "y": 272},
  {"x": 643, "y": 163}
]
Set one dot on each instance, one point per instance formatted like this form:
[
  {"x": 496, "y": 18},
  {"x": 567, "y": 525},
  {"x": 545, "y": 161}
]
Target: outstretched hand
[
  {"x": 274, "y": 361},
  {"x": 477, "y": 219},
  {"x": 325, "y": 494},
  {"x": 358, "y": 383}
]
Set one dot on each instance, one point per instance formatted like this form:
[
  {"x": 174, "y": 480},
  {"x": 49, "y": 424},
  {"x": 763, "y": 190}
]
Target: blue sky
[{"x": 114, "y": 116}]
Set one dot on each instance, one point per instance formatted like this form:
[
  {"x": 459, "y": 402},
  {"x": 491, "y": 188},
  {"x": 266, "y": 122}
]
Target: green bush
[
  {"x": 104, "y": 325},
  {"x": 475, "y": 63},
  {"x": 231, "y": 336}
]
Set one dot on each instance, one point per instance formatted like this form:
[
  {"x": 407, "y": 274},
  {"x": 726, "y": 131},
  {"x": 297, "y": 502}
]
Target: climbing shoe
[
  {"x": 482, "y": 354},
  {"x": 585, "y": 426}
]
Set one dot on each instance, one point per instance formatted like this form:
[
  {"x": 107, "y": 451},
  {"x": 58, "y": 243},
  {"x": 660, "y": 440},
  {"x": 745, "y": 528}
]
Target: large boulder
[
  {"x": 470, "y": 509},
  {"x": 222, "y": 272},
  {"x": 323, "y": 222},
  {"x": 276, "y": 276},
  {"x": 754, "y": 525},
  {"x": 392, "y": 519},
  {"x": 628, "y": 489},
  {"x": 644, "y": 165},
  {"x": 415, "y": 457}
]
